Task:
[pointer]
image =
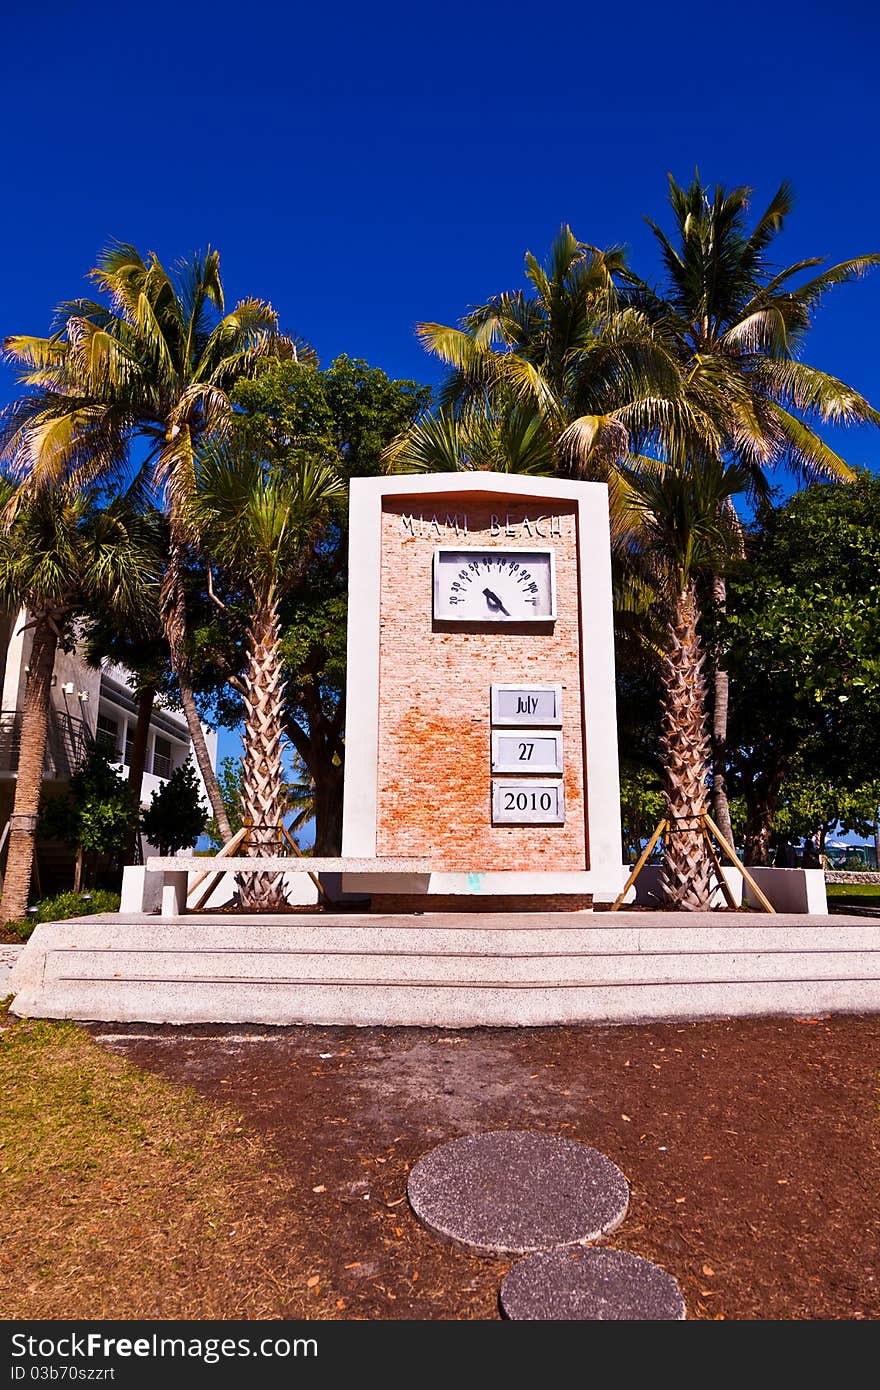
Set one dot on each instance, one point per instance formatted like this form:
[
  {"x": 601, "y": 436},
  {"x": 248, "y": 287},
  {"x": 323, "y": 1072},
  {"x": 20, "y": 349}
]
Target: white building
[{"x": 85, "y": 704}]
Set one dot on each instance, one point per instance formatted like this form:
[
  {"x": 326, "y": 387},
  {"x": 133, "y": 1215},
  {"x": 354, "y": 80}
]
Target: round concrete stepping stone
[
  {"x": 590, "y": 1285},
  {"x": 508, "y": 1192}
]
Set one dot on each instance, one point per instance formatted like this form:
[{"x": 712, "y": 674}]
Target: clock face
[{"x": 494, "y": 586}]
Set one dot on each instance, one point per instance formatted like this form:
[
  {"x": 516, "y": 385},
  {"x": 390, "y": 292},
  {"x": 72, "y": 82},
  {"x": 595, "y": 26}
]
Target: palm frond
[
  {"x": 452, "y": 345},
  {"x": 762, "y": 330},
  {"x": 772, "y": 220},
  {"x": 809, "y": 294},
  {"x": 798, "y": 386},
  {"x": 432, "y": 444},
  {"x": 804, "y": 452}
]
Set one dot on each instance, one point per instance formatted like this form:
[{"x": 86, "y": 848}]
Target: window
[
  {"x": 129, "y": 745},
  {"x": 107, "y": 735},
  {"x": 162, "y": 757}
]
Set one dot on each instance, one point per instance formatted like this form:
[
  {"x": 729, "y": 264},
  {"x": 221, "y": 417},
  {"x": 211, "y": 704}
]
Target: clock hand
[{"x": 495, "y": 604}]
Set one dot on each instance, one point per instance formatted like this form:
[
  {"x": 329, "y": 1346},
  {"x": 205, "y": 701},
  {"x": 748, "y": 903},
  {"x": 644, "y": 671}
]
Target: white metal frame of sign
[
  {"x": 445, "y": 612},
  {"x": 539, "y": 717},
  {"x": 527, "y": 750}
]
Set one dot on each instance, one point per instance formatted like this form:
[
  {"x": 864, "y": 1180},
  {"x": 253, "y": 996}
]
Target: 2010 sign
[{"x": 527, "y": 803}]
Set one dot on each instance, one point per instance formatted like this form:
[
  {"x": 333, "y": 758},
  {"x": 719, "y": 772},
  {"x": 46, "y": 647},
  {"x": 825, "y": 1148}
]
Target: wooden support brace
[
  {"x": 285, "y": 834},
  {"x": 229, "y": 848},
  {"x": 731, "y": 853},
  {"x": 719, "y": 871},
  {"x": 664, "y": 825}
]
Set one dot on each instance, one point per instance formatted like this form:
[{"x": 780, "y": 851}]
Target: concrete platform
[
  {"x": 455, "y": 970},
  {"x": 511, "y": 1192},
  {"x": 590, "y": 1285}
]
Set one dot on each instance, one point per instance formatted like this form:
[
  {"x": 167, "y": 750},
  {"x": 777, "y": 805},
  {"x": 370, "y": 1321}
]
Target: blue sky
[{"x": 367, "y": 166}]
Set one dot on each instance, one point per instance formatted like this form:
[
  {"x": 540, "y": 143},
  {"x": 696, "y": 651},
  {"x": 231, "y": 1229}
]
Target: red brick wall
[{"x": 434, "y": 723}]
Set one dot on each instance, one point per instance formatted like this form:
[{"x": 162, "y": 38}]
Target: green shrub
[
  {"x": 177, "y": 815},
  {"x": 63, "y": 906}
]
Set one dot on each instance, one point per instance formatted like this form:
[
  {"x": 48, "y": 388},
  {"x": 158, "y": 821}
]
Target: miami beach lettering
[{"x": 433, "y": 528}]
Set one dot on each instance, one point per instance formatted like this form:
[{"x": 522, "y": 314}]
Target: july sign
[{"x": 527, "y": 704}]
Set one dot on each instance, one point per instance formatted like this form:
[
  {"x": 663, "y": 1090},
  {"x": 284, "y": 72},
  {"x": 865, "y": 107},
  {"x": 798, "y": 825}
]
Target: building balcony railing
[
  {"x": 66, "y": 739},
  {"x": 162, "y": 766}
]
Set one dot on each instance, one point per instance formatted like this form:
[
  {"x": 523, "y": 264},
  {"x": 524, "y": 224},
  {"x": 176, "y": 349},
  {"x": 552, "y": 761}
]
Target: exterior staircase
[{"x": 447, "y": 969}]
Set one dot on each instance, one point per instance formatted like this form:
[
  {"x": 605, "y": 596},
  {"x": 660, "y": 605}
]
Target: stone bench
[{"x": 175, "y": 870}]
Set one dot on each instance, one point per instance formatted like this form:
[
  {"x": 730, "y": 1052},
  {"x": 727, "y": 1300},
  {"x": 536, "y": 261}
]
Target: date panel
[
  {"x": 527, "y": 803},
  {"x": 526, "y": 704},
  {"x": 527, "y": 750}
]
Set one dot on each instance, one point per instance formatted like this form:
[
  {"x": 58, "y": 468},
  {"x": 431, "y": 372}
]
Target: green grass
[
  {"x": 129, "y": 1196},
  {"x": 861, "y": 894}
]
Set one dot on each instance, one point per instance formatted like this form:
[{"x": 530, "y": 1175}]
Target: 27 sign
[{"x": 526, "y": 750}]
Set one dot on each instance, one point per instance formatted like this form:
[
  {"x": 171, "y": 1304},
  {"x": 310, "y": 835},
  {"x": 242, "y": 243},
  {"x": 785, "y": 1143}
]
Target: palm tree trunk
[
  {"x": 146, "y": 699},
  {"x": 32, "y": 749},
  {"x": 262, "y": 788},
  {"x": 721, "y": 692},
  {"x": 174, "y": 622},
  {"x": 684, "y": 754}
]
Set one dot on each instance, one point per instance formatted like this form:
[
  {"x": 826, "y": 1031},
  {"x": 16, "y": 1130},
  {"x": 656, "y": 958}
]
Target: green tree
[
  {"x": 642, "y": 804},
  {"x": 259, "y": 522},
  {"x": 176, "y": 816},
  {"x": 564, "y": 377},
  {"x": 346, "y": 414},
  {"x": 59, "y": 554},
  {"x": 93, "y": 815},
  {"x": 685, "y": 533},
  {"x": 737, "y": 325},
  {"x": 299, "y": 798},
  {"x": 803, "y": 633},
  {"x": 810, "y": 805},
  {"x": 229, "y": 779},
  {"x": 156, "y": 363}
]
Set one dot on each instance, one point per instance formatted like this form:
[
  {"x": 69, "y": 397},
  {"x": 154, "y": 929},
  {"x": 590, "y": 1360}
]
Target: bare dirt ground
[{"x": 751, "y": 1148}]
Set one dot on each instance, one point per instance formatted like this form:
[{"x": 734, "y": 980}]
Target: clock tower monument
[{"x": 481, "y": 731}]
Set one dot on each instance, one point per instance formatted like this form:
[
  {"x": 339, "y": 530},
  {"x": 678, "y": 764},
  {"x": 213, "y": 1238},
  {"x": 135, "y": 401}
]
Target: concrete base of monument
[
  {"x": 451, "y": 970},
  {"x": 486, "y": 891},
  {"x": 391, "y": 903}
]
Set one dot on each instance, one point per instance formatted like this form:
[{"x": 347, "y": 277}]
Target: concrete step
[{"x": 397, "y": 971}]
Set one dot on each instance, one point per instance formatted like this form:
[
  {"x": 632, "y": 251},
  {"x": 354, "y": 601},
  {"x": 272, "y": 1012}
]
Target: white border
[
  {"x": 605, "y": 873},
  {"x": 462, "y": 619}
]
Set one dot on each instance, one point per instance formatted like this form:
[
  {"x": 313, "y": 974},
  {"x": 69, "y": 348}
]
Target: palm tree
[
  {"x": 736, "y": 324},
  {"x": 258, "y": 525},
  {"x": 501, "y": 438},
  {"x": 59, "y": 553},
  {"x": 565, "y": 378},
  {"x": 686, "y": 531},
  {"x": 596, "y": 390},
  {"x": 157, "y": 366}
]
